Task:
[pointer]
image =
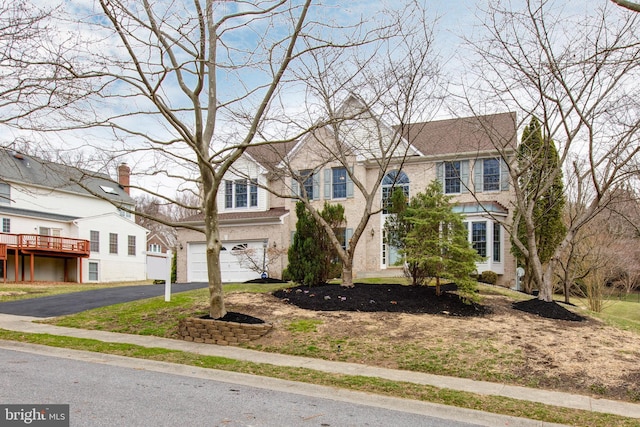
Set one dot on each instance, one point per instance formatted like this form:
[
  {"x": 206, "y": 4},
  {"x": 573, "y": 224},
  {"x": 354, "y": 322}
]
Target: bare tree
[
  {"x": 577, "y": 75},
  {"x": 32, "y": 76},
  {"x": 361, "y": 105},
  {"x": 184, "y": 88}
]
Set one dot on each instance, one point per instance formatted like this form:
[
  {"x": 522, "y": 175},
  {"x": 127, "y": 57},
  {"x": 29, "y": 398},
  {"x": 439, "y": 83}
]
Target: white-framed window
[
  {"x": 497, "y": 242},
  {"x": 452, "y": 183},
  {"x": 5, "y": 194},
  {"x": 113, "y": 243},
  {"x": 131, "y": 245},
  {"x": 155, "y": 248},
  {"x": 240, "y": 194},
  {"x": 392, "y": 181},
  {"x": 337, "y": 183},
  {"x": 124, "y": 213},
  {"x": 93, "y": 271},
  {"x": 453, "y": 176},
  {"x": 94, "y": 241},
  {"x": 479, "y": 237},
  {"x": 486, "y": 238},
  {"x": 491, "y": 175},
  {"x": 6, "y": 225}
]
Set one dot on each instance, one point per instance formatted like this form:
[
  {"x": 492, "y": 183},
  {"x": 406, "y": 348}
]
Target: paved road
[
  {"x": 60, "y": 305},
  {"x": 102, "y": 393}
]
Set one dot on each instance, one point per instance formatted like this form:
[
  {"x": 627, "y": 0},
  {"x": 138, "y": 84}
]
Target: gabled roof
[
  {"x": 464, "y": 135},
  {"x": 21, "y": 168},
  {"x": 435, "y": 138},
  {"x": 270, "y": 155}
]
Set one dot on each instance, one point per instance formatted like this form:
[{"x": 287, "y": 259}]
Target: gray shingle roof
[{"x": 24, "y": 169}]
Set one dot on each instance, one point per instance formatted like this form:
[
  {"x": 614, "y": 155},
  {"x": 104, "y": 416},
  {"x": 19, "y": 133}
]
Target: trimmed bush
[{"x": 489, "y": 277}]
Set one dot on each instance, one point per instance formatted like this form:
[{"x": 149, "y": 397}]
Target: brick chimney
[{"x": 123, "y": 176}]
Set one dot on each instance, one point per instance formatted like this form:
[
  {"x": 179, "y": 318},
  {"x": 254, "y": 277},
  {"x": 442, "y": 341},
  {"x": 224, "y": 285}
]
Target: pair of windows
[
  {"x": 337, "y": 184},
  {"x": 488, "y": 175},
  {"x": 240, "y": 193}
]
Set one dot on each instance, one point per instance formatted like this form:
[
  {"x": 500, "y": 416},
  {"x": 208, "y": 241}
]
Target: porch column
[{"x": 15, "y": 272}]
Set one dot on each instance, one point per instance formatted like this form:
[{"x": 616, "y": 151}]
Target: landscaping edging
[{"x": 219, "y": 332}]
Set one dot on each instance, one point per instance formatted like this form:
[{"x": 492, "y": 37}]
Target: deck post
[{"x": 32, "y": 266}]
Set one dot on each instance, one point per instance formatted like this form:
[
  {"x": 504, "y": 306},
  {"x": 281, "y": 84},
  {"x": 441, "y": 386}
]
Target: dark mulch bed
[
  {"x": 237, "y": 317},
  {"x": 387, "y": 298},
  {"x": 550, "y": 310}
]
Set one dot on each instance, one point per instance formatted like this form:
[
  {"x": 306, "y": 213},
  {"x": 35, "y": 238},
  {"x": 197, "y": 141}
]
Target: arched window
[{"x": 391, "y": 181}]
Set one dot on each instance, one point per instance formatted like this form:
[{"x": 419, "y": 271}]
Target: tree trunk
[
  {"x": 214, "y": 275},
  {"x": 546, "y": 286},
  {"x": 347, "y": 275}
]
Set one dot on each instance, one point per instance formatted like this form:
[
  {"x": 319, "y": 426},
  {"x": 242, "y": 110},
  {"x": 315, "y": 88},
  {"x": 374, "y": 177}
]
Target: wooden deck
[
  {"x": 49, "y": 245},
  {"x": 36, "y": 245}
]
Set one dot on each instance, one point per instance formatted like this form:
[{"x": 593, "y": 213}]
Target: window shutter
[
  {"x": 477, "y": 175},
  {"x": 316, "y": 186},
  {"x": 349, "y": 183},
  {"x": 295, "y": 187},
  {"x": 504, "y": 175},
  {"x": 327, "y": 184},
  {"x": 348, "y": 234},
  {"x": 464, "y": 176},
  {"x": 440, "y": 174}
]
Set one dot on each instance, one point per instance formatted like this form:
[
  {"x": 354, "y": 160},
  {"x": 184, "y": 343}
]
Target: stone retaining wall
[{"x": 211, "y": 331}]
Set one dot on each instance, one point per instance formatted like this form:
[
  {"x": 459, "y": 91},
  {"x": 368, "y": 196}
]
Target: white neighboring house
[{"x": 57, "y": 226}]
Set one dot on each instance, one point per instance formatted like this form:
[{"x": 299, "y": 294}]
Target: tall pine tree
[
  {"x": 538, "y": 158},
  {"x": 311, "y": 255}
]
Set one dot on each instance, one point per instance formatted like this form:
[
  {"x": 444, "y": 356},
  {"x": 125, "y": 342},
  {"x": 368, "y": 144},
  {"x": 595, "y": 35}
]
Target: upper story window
[
  {"x": 452, "y": 177},
  {"x": 239, "y": 194},
  {"x": 6, "y": 225},
  {"x": 5, "y": 194},
  {"x": 491, "y": 175},
  {"x": 392, "y": 181},
  {"x": 338, "y": 183},
  {"x": 124, "y": 213},
  {"x": 308, "y": 182},
  {"x": 94, "y": 241}
]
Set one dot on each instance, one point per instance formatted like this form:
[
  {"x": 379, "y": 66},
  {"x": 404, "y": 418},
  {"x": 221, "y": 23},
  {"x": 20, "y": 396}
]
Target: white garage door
[{"x": 231, "y": 261}]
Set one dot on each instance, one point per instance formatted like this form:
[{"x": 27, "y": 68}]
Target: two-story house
[
  {"x": 461, "y": 153},
  {"x": 60, "y": 223}
]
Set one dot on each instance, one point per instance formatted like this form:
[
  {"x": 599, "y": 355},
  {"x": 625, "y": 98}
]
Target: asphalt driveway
[{"x": 75, "y": 302}]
